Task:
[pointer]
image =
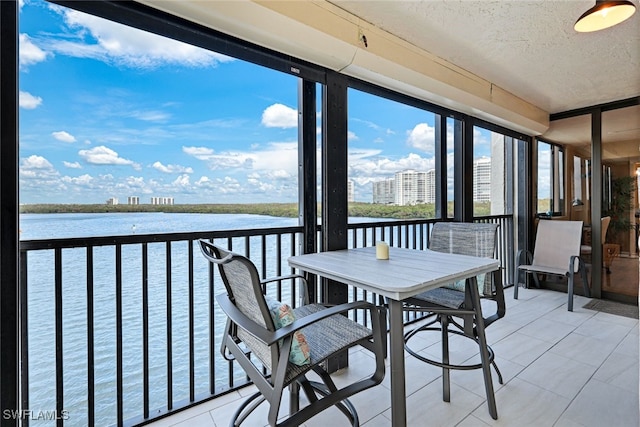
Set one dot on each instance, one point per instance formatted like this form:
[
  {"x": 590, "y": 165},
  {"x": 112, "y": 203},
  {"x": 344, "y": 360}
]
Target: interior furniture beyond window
[
  {"x": 251, "y": 330},
  {"x": 462, "y": 300},
  {"x": 556, "y": 252}
]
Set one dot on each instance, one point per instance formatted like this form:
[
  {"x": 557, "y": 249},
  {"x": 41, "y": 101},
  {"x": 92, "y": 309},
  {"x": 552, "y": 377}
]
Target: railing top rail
[
  {"x": 391, "y": 222},
  {"x": 76, "y": 242}
]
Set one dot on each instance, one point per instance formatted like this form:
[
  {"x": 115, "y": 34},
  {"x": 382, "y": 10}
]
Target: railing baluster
[
  {"x": 119, "y": 373},
  {"x": 91, "y": 383},
  {"x": 212, "y": 330},
  {"x": 24, "y": 335},
  {"x": 192, "y": 360},
  {"x": 145, "y": 329},
  {"x": 169, "y": 327},
  {"x": 59, "y": 341}
]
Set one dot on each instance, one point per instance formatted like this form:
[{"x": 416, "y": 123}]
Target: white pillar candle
[{"x": 382, "y": 250}]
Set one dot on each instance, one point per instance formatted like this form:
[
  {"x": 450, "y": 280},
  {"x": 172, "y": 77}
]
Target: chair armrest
[
  {"x": 269, "y": 337},
  {"x": 322, "y": 314},
  {"x": 528, "y": 257},
  {"x": 283, "y": 277}
]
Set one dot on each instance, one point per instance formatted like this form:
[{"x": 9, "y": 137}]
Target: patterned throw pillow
[
  {"x": 283, "y": 315},
  {"x": 460, "y": 284}
]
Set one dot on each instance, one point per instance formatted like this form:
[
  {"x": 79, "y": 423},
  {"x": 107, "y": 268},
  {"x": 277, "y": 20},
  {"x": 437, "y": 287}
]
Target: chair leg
[
  {"x": 446, "y": 373},
  {"x": 382, "y": 305},
  {"x": 570, "y": 291},
  {"x": 484, "y": 350},
  {"x": 246, "y": 408},
  {"x": 294, "y": 397}
]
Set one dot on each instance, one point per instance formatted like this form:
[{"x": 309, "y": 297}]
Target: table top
[{"x": 406, "y": 273}]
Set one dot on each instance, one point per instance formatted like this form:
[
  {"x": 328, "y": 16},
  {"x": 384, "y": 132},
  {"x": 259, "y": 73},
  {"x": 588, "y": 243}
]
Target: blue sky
[{"x": 110, "y": 111}]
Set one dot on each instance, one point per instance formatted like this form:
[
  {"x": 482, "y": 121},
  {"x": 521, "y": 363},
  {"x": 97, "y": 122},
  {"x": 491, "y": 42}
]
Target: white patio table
[{"x": 406, "y": 273}]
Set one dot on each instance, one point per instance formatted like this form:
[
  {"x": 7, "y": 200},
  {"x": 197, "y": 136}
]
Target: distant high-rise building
[
  {"x": 482, "y": 180},
  {"x": 112, "y": 201},
  {"x": 133, "y": 200},
  {"x": 162, "y": 200},
  {"x": 430, "y": 186},
  {"x": 410, "y": 187},
  {"x": 384, "y": 192},
  {"x": 351, "y": 192}
]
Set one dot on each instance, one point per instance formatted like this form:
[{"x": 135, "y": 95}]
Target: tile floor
[{"x": 560, "y": 369}]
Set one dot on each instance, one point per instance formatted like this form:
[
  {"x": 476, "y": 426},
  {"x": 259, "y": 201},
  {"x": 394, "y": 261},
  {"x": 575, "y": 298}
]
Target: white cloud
[
  {"x": 30, "y": 53},
  {"x": 228, "y": 185},
  {"x": 74, "y": 165},
  {"x": 200, "y": 153},
  {"x": 64, "y": 136},
  {"x": 126, "y": 46},
  {"x": 36, "y": 162},
  {"x": 422, "y": 137},
  {"x": 38, "y": 171},
  {"x": 150, "y": 116},
  {"x": 83, "y": 180},
  {"x": 171, "y": 168},
  {"x": 366, "y": 165},
  {"x": 280, "y": 116},
  {"x": 135, "y": 181},
  {"x": 182, "y": 181},
  {"x": 279, "y": 174},
  {"x": 275, "y": 156},
  {"x": 102, "y": 155},
  {"x": 28, "y": 101},
  {"x": 203, "y": 180},
  {"x": 351, "y": 136}
]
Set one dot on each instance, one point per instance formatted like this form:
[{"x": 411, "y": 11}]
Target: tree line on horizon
[{"x": 287, "y": 210}]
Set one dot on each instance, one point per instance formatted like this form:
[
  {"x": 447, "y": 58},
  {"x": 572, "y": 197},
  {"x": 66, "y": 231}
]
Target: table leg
[{"x": 396, "y": 354}]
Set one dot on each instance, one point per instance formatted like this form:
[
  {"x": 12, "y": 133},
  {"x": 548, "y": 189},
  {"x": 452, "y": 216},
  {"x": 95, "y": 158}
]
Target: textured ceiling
[{"x": 526, "y": 47}]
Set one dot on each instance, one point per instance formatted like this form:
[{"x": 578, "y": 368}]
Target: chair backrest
[
  {"x": 556, "y": 243},
  {"x": 467, "y": 238},
  {"x": 242, "y": 282},
  {"x": 604, "y": 227}
]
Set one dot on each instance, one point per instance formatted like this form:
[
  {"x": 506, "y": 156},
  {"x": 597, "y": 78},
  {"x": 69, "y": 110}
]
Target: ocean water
[
  {"x": 51, "y": 226},
  {"x": 41, "y": 312}
]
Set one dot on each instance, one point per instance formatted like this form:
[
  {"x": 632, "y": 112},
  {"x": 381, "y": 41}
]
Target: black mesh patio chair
[
  {"x": 462, "y": 301},
  {"x": 276, "y": 355}
]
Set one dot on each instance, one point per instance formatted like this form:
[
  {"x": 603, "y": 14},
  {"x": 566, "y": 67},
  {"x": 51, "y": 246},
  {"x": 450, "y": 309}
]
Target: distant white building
[
  {"x": 384, "y": 192},
  {"x": 162, "y": 200},
  {"x": 112, "y": 201},
  {"x": 133, "y": 200},
  {"x": 430, "y": 186},
  {"x": 482, "y": 180},
  {"x": 411, "y": 187},
  {"x": 351, "y": 192}
]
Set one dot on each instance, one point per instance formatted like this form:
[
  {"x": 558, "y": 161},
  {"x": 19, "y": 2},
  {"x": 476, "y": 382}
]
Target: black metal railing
[{"x": 133, "y": 319}]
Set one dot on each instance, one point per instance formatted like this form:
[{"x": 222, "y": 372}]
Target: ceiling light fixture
[{"x": 604, "y": 14}]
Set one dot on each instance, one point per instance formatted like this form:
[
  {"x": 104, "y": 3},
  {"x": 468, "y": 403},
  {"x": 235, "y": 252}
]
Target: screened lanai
[{"x": 389, "y": 56}]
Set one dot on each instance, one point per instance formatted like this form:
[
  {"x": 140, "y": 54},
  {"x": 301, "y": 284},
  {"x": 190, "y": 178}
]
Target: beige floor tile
[
  {"x": 600, "y": 404},
  {"x": 523, "y": 404},
  {"x": 558, "y": 374}
]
